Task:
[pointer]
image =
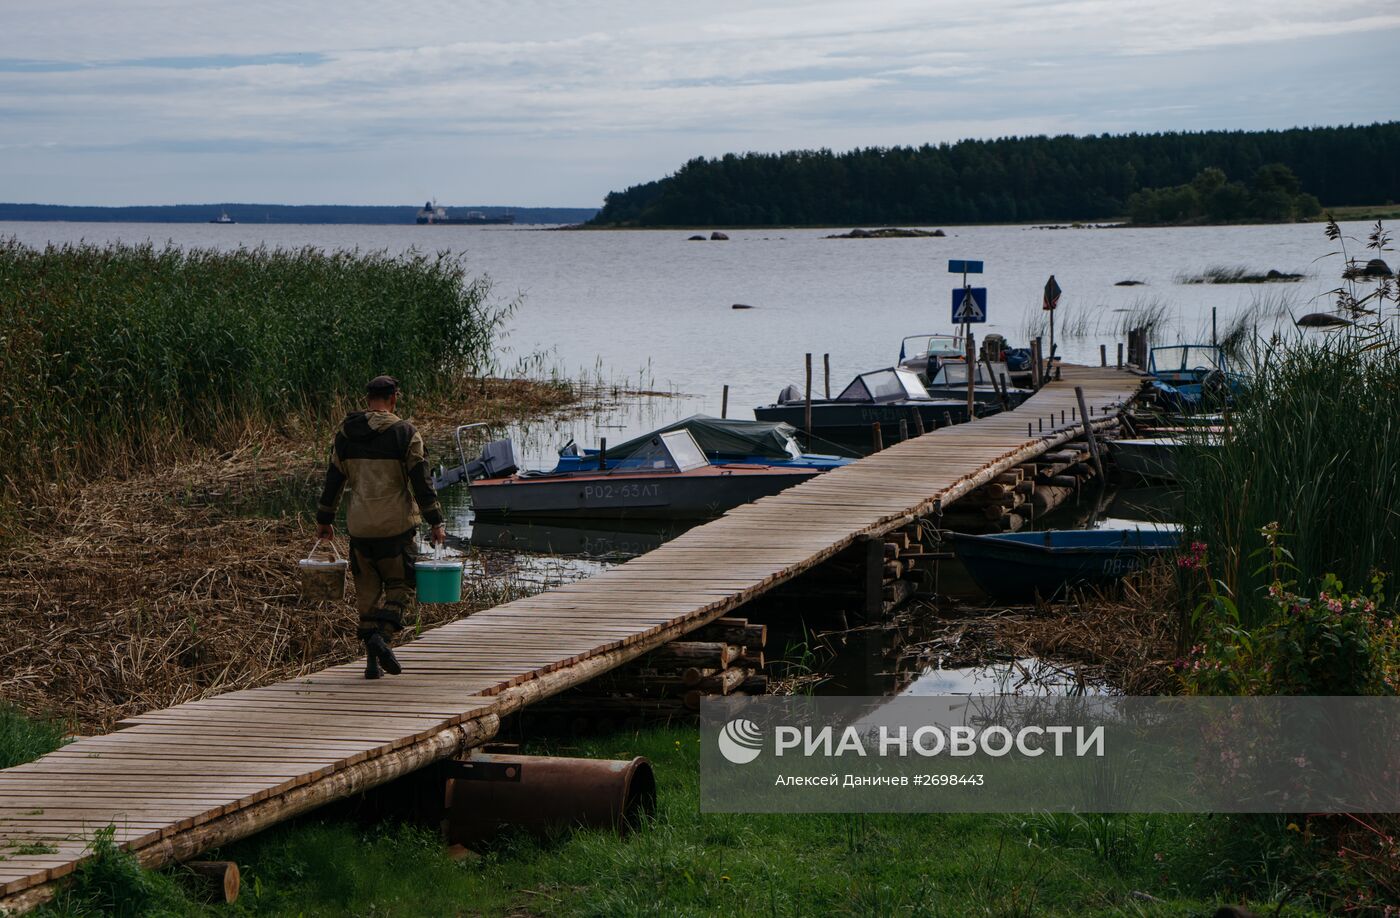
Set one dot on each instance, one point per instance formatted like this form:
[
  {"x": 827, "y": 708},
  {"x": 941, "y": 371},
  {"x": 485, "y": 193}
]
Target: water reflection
[{"x": 1026, "y": 676}]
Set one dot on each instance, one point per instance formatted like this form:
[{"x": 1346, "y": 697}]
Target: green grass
[
  {"x": 24, "y": 740},
  {"x": 686, "y": 863},
  {"x": 121, "y": 352}
]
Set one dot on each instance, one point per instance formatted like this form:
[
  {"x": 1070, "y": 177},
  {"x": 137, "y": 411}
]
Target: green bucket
[{"x": 439, "y": 581}]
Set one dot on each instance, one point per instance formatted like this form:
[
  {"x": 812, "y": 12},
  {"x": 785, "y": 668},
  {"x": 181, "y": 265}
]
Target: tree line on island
[{"x": 1176, "y": 177}]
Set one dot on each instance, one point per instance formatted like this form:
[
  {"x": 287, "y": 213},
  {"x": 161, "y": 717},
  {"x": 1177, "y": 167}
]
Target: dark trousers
[{"x": 384, "y": 581}]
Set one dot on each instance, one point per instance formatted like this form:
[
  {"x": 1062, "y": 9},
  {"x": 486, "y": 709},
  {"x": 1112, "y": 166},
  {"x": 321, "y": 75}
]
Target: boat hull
[
  {"x": 1159, "y": 459},
  {"x": 699, "y": 494},
  {"x": 1023, "y": 566}
]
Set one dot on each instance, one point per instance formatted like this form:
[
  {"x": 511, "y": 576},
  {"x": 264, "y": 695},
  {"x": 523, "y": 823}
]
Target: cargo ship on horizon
[{"x": 432, "y": 214}]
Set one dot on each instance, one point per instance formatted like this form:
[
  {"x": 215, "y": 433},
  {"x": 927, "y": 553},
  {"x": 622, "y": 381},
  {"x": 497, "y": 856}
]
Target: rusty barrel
[{"x": 488, "y": 792}]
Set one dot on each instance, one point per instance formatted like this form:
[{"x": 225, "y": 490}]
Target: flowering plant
[{"x": 1323, "y": 642}]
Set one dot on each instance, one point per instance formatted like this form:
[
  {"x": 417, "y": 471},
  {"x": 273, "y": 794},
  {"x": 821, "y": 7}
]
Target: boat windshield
[
  {"x": 953, "y": 373},
  {"x": 1182, "y": 357},
  {"x": 672, "y": 451},
  {"x": 930, "y": 345},
  {"x": 883, "y": 386}
]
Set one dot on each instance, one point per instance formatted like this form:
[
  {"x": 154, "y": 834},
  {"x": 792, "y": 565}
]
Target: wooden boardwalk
[{"x": 178, "y": 781}]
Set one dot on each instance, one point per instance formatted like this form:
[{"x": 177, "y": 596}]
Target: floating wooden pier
[{"x": 176, "y": 782}]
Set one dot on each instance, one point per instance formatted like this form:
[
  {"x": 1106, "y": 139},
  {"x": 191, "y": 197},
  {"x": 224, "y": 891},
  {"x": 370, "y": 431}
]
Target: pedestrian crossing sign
[{"x": 969, "y": 304}]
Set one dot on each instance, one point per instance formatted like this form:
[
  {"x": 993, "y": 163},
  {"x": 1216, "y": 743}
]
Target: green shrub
[{"x": 24, "y": 740}]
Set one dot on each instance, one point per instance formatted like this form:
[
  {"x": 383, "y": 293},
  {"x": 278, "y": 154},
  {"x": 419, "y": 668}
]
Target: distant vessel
[
  {"x": 223, "y": 218},
  {"x": 431, "y": 213}
]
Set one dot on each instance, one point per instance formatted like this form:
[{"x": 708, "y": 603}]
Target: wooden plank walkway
[{"x": 178, "y": 781}]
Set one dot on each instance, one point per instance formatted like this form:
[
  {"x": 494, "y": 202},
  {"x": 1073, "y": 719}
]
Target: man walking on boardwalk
[{"x": 380, "y": 456}]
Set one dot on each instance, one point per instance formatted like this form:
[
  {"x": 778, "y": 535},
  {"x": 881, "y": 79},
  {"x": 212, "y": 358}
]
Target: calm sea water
[{"x": 652, "y": 308}]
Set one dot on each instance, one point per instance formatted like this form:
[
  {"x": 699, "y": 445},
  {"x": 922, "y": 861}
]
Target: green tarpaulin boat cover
[{"x": 728, "y": 437}]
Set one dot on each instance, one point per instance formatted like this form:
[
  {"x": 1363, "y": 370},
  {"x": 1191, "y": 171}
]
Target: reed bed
[
  {"x": 1315, "y": 446},
  {"x": 179, "y": 581},
  {"x": 115, "y": 355}
]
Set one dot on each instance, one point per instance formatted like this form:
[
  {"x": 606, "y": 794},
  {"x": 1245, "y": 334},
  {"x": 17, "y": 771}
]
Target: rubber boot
[
  {"x": 371, "y": 662},
  {"x": 380, "y": 648}
]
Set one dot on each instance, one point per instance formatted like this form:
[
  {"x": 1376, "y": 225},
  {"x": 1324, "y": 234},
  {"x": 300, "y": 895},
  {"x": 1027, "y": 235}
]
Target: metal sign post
[{"x": 969, "y": 303}]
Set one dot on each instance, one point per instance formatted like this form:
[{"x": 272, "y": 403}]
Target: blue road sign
[
  {"x": 958, "y": 266},
  {"x": 969, "y": 304}
]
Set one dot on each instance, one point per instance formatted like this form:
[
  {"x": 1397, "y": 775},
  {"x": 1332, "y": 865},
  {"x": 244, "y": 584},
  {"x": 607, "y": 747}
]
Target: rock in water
[
  {"x": 741, "y": 306},
  {"x": 1322, "y": 320},
  {"x": 717, "y": 236},
  {"x": 696, "y": 239},
  {"x": 1130, "y": 283}
]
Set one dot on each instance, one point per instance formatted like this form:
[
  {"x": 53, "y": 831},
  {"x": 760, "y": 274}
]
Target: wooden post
[
  {"x": 826, "y": 367},
  {"x": 1000, "y": 390},
  {"x": 807, "y": 414},
  {"x": 1089, "y": 432},
  {"x": 724, "y": 402},
  {"x": 1212, "y": 327},
  {"x": 1120, "y": 355},
  {"x": 874, "y": 572},
  {"x": 1103, "y": 355},
  {"x": 919, "y": 422},
  {"x": 971, "y": 368},
  {"x": 875, "y": 440},
  {"x": 602, "y": 454},
  {"x": 1035, "y": 363},
  {"x": 903, "y": 429}
]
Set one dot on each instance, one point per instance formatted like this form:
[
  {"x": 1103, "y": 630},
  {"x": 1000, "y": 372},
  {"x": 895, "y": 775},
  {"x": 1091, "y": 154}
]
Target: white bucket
[{"x": 323, "y": 579}]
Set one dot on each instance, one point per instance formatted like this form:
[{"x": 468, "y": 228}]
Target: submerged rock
[
  {"x": 696, "y": 239},
  {"x": 741, "y": 306},
  {"x": 1130, "y": 283},
  {"x": 717, "y": 236}
]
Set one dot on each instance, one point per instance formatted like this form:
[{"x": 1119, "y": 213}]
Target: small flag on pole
[{"x": 1052, "y": 294}]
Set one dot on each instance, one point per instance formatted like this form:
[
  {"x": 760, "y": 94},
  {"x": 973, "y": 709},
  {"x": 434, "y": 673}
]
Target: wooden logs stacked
[
  {"x": 1018, "y": 497},
  {"x": 724, "y": 657},
  {"x": 909, "y": 558}
]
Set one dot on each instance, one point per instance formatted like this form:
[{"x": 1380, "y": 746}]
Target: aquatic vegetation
[
  {"x": 120, "y": 353},
  {"x": 1237, "y": 274},
  {"x": 1313, "y": 444}
]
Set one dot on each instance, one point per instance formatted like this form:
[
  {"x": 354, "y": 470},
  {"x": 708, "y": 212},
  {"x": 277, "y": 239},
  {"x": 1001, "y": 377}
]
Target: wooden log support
[
  {"x": 694, "y": 653},
  {"x": 734, "y": 631},
  {"x": 723, "y": 682},
  {"x": 218, "y": 879}
]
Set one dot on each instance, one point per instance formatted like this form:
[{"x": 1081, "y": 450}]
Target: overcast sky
[{"x": 526, "y": 102}]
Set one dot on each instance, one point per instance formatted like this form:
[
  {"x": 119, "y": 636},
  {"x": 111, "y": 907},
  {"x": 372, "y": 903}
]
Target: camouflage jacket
[{"x": 380, "y": 457}]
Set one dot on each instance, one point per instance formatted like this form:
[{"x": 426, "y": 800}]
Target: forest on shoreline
[{"x": 1013, "y": 179}]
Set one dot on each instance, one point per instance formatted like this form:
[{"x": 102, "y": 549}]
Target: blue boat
[
  {"x": 723, "y": 440},
  {"x": 1021, "y": 566},
  {"x": 1187, "y": 376}
]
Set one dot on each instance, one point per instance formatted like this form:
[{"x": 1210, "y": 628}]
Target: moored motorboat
[
  {"x": 673, "y": 481},
  {"x": 1188, "y": 377},
  {"x": 1159, "y": 457},
  {"x": 723, "y": 440},
  {"x": 894, "y": 398},
  {"x": 1021, "y": 566}
]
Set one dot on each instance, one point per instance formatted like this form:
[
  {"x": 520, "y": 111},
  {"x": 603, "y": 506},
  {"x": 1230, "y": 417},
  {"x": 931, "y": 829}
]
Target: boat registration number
[
  {"x": 1120, "y": 566},
  {"x": 620, "y": 491}
]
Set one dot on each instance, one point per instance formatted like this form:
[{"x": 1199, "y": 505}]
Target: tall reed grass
[
  {"x": 1314, "y": 445},
  {"x": 115, "y": 353}
]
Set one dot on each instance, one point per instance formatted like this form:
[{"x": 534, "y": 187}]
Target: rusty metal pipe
[{"x": 488, "y": 792}]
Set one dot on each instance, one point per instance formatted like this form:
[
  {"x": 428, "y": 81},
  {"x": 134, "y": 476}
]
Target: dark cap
[{"x": 382, "y": 386}]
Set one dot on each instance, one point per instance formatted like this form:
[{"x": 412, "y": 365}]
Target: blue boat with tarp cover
[
  {"x": 723, "y": 440},
  {"x": 1027, "y": 565}
]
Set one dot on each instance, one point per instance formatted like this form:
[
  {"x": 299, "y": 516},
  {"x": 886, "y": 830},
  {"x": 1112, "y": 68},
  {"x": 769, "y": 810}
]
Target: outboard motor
[
  {"x": 497, "y": 460},
  {"x": 789, "y": 395},
  {"x": 993, "y": 347}
]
